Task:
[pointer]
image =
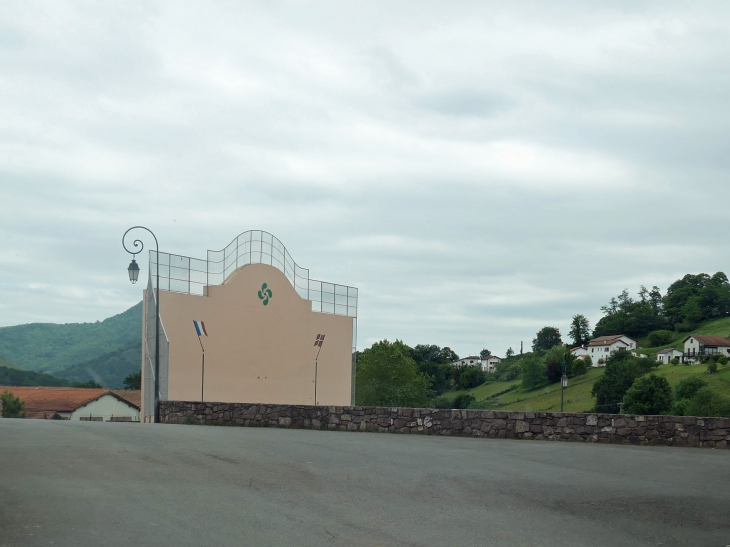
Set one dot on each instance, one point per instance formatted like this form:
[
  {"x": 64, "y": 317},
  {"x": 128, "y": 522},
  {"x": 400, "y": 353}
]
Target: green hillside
[
  {"x": 48, "y": 347},
  {"x": 19, "y": 377},
  {"x": 7, "y": 364},
  {"x": 716, "y": 327},
  {"x": 109, "y": 369},
  {"x": 578, "y": 398}
]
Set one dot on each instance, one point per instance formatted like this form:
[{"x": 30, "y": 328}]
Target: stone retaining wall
[{"x": 602, "y": 428}]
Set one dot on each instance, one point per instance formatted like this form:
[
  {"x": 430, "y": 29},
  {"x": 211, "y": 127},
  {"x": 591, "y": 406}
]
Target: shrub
[
  {"x": 675, "y": 361},
  {"x": 471, "y": 377},
  {"x": 512, "y": 371},
  {"x": 12, "y": 406},
  {"x": 554, "y": 371},
  {"x": 579, "y": 366},
  {"x": 707, "y": 402},
  {"x": 387, "y": 376},
  {"x": 688, "y": 387},
  {"x": 723, "y": 360},
  {"x": 660, "y": 338},
  {"x": 462, "y": 400},
  {"x": 712, "y": 367},
  {"x": 680, "y": 407},
  {"x": 621, "y": 371},
  {"x": 648, "y": 395},
  {"x": 533, "y": 372}
]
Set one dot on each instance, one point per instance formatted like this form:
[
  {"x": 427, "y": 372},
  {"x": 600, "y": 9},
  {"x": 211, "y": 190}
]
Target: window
[{"x": 606, "y": 349}]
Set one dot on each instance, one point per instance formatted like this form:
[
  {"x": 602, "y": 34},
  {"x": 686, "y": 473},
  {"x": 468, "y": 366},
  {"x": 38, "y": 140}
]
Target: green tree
[
  {"x": 580, "y": 330},
  {"x": 471, "y": 378},
  {"x": 435, "y": 362},
  {"x": 660, "y": 338},
  {"x": 648, "y": 395},
  {"x": 546, "y": 338},
  {"x": 706, "y": 402},
  {"x": 688, "y": 387},
  {"x": 509, "y": 353},
  {"x": 12, "y": 406},
  {"x": 712, "y": 367},
  {"x": 388, "y": 376},
  {"x": 557, "y": 354},
  {"x": 133, "y": 381},
  {"x": 621, "y": 371},
  {"x": 485, "y": 353},
  {"x": 553, "y": 371},
  {"x": 579, "y": 366},
  {"x": 533, "y": 372}
]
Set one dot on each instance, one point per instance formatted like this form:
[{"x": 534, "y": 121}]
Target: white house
[
  {"x": 666, "y": 355},
  {"x": 98, "y": 405},
  {"x": 603, "y": 346},
  {"x": 580, "y": 352},
  {"x": 488, "y": 363},
  {"x": 472, "y": 360},
  {"x": 698, "y": 344}
]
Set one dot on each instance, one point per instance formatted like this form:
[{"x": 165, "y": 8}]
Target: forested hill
[
  {"x": 50, "y": 347},
  {"x": 109, "y": 369}
]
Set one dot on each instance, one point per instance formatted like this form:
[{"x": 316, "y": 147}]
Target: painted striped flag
[
  {"x": 200, "y": 327},
  {"x": 319, "y": 340}
]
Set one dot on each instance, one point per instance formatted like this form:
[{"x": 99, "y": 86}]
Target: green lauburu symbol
[{"x": 265, "y": 293}]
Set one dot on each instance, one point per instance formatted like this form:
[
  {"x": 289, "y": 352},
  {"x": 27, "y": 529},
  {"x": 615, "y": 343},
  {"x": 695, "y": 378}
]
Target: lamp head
[{"x": 133, "y": 271}]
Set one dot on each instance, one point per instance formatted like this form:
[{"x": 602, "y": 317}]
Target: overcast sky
[{"x": 478, "y": 169}]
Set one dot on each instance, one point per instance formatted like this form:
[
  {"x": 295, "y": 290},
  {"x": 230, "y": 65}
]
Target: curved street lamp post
[{"x": 133, "y": 271}]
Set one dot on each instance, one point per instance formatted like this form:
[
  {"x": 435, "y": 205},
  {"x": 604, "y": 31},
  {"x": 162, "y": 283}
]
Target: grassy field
[{"x": 578, "y": 393}]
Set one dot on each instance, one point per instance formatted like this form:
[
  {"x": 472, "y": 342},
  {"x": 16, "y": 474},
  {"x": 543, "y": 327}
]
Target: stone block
[
  {"x": 521, "y": 426},
  {"x": 591, "y": 419},
  {"x": 284, "y": 422}
]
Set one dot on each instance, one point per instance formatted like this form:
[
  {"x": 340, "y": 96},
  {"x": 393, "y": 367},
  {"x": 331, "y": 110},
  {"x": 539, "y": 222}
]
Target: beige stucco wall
[{"x": 256, "y": 353}]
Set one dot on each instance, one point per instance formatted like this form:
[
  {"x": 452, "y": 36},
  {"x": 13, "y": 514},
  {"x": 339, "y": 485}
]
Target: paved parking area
[{"x": 103, "y": 484}]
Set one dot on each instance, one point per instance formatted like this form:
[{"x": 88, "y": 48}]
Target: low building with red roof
[
  {"x": 68, "y": 403},
  {"x": 666, "y": 355}
]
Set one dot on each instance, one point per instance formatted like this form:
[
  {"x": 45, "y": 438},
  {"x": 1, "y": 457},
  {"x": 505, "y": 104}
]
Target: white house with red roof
[
  {"x": 666, "y": 355},
  {"x": 603, "y": 346},
  {"x": 698, "y": 345},
  {"x": 488, "y": 363},
  {"x": 66, "y": 403},
  {"x": 580, "y": 352}
]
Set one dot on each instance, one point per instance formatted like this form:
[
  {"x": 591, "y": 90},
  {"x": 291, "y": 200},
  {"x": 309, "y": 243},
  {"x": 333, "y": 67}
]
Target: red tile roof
[
  {"x": 49, "y": 400},
  {"x": 719, "y": 341},
  {"x": 132, "y": 396},
  {"x": 608, "y": 340}
]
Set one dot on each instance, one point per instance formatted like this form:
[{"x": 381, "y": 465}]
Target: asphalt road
[{"x": 116, "y": 484}]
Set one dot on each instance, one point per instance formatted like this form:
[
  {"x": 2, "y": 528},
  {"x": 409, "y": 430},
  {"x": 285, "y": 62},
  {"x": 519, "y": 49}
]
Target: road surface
[{"x": 116, "y": 484}]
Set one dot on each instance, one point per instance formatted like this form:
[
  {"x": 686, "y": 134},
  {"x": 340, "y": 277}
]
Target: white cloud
[{"x": 531, "y": 159}]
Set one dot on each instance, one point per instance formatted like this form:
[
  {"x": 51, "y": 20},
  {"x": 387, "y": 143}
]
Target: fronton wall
[{"x": 598, "y": 428}]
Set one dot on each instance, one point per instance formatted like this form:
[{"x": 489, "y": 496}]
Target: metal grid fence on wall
[{"x": 191, "y": 275}]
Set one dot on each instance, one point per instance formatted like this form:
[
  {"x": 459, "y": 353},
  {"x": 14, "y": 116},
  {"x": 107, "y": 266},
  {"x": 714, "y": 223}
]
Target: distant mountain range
[{"x": 105, "y": 351}]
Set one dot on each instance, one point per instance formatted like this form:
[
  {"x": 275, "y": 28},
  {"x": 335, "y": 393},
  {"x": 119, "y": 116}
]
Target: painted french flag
[{"x": 200, "y": 327}]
